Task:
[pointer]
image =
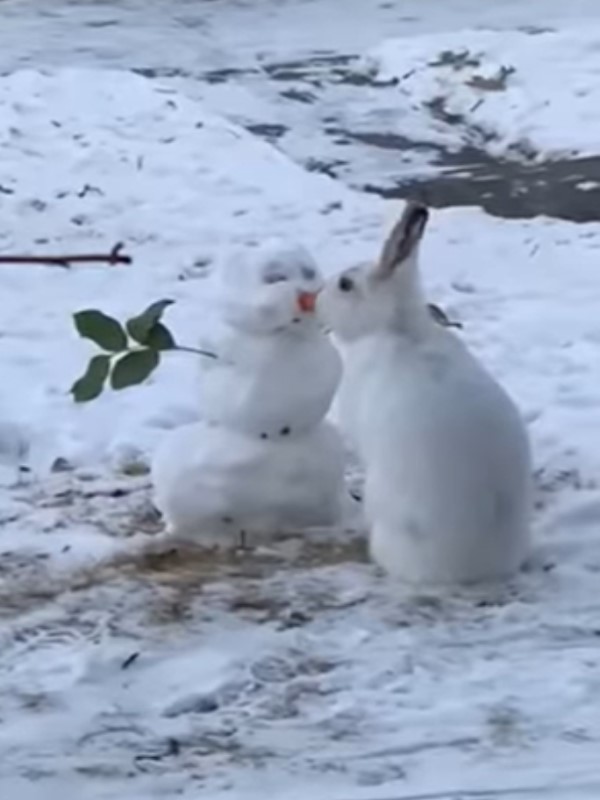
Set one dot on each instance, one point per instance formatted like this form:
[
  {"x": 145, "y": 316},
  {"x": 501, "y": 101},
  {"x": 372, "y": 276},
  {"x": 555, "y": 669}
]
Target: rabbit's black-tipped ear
[{"x": 403, "y": 239}]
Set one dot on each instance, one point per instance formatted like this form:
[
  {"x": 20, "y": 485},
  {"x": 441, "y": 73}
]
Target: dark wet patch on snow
[{"x": 567, "y": 189}]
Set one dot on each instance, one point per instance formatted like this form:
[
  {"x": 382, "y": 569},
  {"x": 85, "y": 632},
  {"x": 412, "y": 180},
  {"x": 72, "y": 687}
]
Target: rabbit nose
[{"x": 307, "y": 302}]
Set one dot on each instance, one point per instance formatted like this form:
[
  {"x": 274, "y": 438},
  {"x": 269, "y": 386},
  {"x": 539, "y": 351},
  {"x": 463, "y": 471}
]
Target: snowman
[{"x": 263, "y": 459}]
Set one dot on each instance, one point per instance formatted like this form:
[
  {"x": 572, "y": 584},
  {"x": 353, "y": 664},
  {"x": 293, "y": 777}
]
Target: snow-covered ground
[
  {"x": 512, "y": 92},
  {"x": 128, "y": 670},
  {"x": 295, "y": 70},
  {"x": 186, "y": 34}
]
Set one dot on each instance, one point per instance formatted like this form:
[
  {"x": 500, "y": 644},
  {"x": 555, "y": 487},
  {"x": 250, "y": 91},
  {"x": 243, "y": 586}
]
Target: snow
[
  {"x": 515, "y": 93},
  {"x": 164, "y": 175},
  {"x": 295, "y": 671}
]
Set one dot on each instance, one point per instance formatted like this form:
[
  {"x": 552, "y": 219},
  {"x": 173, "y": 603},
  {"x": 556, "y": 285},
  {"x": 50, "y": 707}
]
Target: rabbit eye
[
  {"x": 275, "y": 277},
  {"x": 345, "y": 284},
  {"x": 308, "y": 273}
]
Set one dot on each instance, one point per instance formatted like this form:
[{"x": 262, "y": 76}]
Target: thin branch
[
  {"x": 113, "y": 258},
  {"x": 517, "y": 792},
  {"x": 198, "y": 352}
]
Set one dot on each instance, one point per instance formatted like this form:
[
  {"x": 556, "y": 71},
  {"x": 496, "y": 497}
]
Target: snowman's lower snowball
[{"x": 213, "y": 484}]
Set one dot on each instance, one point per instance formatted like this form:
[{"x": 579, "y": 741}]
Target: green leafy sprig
[{"x": 131, "y": 352}]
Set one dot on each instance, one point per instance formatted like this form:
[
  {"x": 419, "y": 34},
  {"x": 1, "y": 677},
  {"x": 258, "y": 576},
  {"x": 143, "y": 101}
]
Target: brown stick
[{"x": 113, "y": 258}]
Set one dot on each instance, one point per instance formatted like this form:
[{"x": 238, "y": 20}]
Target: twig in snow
[
  {"x": 172, "y": 748},
  {"x": 441, "y": 317},
  {"x": 130, "y": 660},
  {"x": 550, "y": 790},
  {"x": 109, "y": 730},
  {"x": 114, "y": 257},
  {"x": 419, "y": 747}
]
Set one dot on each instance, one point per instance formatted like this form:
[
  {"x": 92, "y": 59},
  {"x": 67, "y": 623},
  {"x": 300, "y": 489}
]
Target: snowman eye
[
  {"x": 345, "y": 284},
  {"x": 275, "y": 277},
  {"x": 308, "y": 273}
]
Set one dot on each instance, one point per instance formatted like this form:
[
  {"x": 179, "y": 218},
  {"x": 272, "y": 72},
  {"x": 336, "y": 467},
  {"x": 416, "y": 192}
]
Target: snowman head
[{"x": 270, "y": 288}]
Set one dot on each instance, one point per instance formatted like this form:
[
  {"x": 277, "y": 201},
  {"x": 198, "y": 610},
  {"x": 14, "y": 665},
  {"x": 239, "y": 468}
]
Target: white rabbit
[
  {"x": 216, "y": 485},
  {"x": 277, "y": 371},
  {"x": 445, "y": 452}
]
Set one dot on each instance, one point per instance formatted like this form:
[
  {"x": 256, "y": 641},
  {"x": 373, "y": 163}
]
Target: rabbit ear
[{"x": 403, "y": 239}]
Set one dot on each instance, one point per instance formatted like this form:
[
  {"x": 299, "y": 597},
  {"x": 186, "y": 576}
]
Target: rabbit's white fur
[{"x": 446, "y": 454}]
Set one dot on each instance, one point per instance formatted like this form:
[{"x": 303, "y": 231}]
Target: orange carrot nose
[{"x": 307, "y": 302}]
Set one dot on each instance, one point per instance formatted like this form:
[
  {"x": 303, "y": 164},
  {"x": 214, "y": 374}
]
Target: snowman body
[
  {"x": 264, "y": 385},
  {"x": 216, "y": 484},
  {"x": 263, "y": 459}
]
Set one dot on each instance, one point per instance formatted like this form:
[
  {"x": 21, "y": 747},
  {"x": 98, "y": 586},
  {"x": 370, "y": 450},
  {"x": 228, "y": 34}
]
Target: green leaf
[
  {"x": 134, "y": 368},
  {"x": 105, "y": 331},
  {"x": 160, "y": 338},
  {"x": 139, "y": 327},
  {"x": 91, "y": 383}
]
